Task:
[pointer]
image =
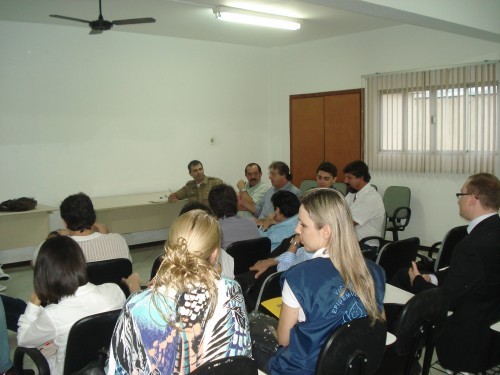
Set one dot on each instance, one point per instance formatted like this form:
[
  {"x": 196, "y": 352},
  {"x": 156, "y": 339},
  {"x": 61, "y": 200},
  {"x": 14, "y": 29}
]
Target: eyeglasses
[{"x": 460, "y": 194}]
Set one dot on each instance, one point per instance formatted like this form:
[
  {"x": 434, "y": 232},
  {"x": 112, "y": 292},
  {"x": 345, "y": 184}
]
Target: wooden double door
[{"x": 325, "y": 126}]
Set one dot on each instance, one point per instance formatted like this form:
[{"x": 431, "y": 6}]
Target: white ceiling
[{"x": 195, "y": 20}]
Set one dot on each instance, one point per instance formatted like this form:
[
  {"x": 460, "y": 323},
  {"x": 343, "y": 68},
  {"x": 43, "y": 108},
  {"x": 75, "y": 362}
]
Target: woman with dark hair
[
  {"x": 61, "y": 285},
  {"x": 223, "y": 203}
]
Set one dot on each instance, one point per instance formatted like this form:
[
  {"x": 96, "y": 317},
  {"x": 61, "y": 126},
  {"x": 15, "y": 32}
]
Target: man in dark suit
[{"x": 472, "y": 283}]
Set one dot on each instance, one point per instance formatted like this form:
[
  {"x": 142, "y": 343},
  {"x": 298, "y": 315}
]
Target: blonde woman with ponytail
[
  {"x": 336, "y": 286},
  {"x": 189, "y": 315}
]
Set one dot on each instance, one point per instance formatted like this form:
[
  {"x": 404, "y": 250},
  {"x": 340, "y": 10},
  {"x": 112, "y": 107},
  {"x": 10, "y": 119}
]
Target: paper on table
[{"x": 273, "y": 305}]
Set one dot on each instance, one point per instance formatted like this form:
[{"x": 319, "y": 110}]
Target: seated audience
[
  {"x": 190, "y": 315},
  {"x": 471, "y": 283},
  {"x": 223, "y": 203},
  {"x": 251, "y": 193},
  {"x": 334, "y": 287},
  {"x": 326, "y": 175},
  {"x": 284, "y": 219},
  {"x": 77, "y": 212},
  {"x": 281, "y": 179},
  {"x": 61, "y": 285},
  {"x": 5, "y": 362},
  {"x": 197, "y": 189},
  {"x": 365, "y": 203}
]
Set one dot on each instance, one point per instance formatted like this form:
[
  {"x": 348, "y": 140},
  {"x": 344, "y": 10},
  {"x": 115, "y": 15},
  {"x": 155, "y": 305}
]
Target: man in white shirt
[
  {"x": 251, "y": 193},
  {"x": 365, "y": 203}
]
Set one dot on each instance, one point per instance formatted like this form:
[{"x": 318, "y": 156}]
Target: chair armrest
[
  {"x": 434, "y": 249},
  {"x": 34, "y": 354},
  {"x": 401, "y": 222}
]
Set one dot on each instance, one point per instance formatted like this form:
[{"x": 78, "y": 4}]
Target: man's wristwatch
[{"x": 294, "y": 243}]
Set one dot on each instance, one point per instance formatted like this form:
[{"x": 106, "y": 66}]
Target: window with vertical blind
[{"x": 442, "y": 120}]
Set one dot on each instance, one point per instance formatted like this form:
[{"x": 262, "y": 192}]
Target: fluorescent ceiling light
[{"x": 255, "y": 18}]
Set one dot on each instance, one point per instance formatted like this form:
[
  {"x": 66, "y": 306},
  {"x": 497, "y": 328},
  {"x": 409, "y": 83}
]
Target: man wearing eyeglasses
[{"x": 472, "y": 282}]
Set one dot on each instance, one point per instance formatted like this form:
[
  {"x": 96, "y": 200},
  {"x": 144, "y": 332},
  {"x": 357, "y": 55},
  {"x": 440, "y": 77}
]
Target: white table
[
  {"x": 396, "y": 295},
  {"x": 20, "y": 232},
  {"x": 137, "y": 212}
]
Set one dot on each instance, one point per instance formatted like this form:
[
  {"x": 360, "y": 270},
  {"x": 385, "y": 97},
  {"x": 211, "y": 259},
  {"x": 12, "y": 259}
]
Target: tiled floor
[{"x": 20, "y": 284}]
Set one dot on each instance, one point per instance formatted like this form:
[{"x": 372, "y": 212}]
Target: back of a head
[
  {"x": 192, "y": 241},
  {"x": 60, "y": 269},
  {"x": 282, "y": 169},
  {"x": 78, "y": 212},
  {"x": 190, "y": 206},
  {"x": 358, "y": 168},
  {"x": 327, "y": 167},
  {"x": 223, "y": 201},
  {"x": 486, "y": 187},
  {"x": 287, "y": 202}
]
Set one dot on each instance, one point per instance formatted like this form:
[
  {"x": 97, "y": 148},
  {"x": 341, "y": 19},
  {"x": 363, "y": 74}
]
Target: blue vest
[{"x": 317, "y": 285}]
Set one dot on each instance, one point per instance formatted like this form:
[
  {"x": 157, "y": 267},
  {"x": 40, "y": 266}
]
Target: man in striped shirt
[{"x": 77, "y": 212}]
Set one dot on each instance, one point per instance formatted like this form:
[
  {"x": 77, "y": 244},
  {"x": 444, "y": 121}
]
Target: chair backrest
[
  {"x": 307, "y": 184},
  {"x": 271, "y": 288},
  {"x": 417, "y": 326},
  {"x": 395, "y": 197},
  {"x": 156, "y": 266},
  {"x": 451, "y": 239},
  {"x": 357, "y": 347},
  {"x": 340, "y": 186},
  {"x": 231, "y": 365},
  {"x": 398, "y": 254},
  {"x": 110, "y": 271},
  {"x": 247, "y": 252},
  {"x": 87, "y": 337}
]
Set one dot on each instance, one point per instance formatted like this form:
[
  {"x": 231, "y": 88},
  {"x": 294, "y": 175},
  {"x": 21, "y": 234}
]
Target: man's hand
[
  {"x": 264, "y": 224},
  {"x": 414, "y": 272},
  {"x": 173, "y": 197},
  {"x": 262, "y": 265},
  {"x": 133, "y": 282},
  {"x": 101, "y": 228},
  {"x": 240, "y": 184}
]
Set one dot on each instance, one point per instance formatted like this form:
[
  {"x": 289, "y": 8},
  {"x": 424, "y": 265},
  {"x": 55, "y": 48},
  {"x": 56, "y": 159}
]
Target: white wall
[
  {"x": 339, "y": 63},
  {"x": 121, "y": 113}
]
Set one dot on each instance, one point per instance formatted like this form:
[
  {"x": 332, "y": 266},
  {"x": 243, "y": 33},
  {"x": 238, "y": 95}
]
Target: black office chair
[
  {"x": 271, "y": 288},
  {"x": 240, "y": 365},
  {"x": 156, "y": 265},
  {"x": 397, "y": 207},
  {"x": 356, "y": 348},
  {"x": 340, "y": 186},
  {"x": 86, "y": 340},
  {"x": 398, "y": 254},
  {"x": 246, "y": 253},
  {"x": 416, "y": 328},
  {"x": 110, "y": 271},
  {"x": 444, "y": 250}
]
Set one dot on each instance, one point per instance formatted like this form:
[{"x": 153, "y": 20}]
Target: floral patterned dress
[{"x": 144, "y": 342}]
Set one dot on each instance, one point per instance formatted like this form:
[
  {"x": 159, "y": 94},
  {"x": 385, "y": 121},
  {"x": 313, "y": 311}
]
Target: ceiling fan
[{"x": 100, "y": 25}]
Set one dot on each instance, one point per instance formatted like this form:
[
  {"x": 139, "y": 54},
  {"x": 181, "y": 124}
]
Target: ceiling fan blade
[
  {"x": 133, "y": 21},
  {"x": 69, "y": 18}
]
